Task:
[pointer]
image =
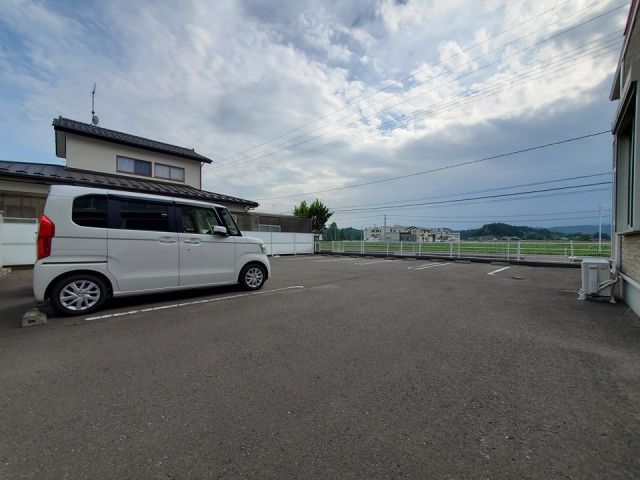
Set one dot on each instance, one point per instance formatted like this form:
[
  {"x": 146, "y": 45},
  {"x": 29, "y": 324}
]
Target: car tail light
[{"x": 46, "y": 232}]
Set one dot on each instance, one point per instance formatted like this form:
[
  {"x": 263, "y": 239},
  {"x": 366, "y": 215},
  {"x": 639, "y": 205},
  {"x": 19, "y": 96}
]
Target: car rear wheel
[
  {"x": 78, "y": 294},
  {"x": 252, "y": 276}
]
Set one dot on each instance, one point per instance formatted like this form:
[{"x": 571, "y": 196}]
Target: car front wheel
[{"x": 252, "y": 276}]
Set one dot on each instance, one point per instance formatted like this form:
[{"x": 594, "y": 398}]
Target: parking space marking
[
  {"x": 342, "y": 259},
  {"x": 374, "y": 262},
  {"x": 428, "y": 265},
  {"x": 195, "y": 302},
  {"x": 497, "y": 271},
  {"x": 295, "y": 257}
]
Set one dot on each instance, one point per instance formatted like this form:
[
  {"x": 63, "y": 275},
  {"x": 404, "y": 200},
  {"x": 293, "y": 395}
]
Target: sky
[{"x": 305, "y": 99}]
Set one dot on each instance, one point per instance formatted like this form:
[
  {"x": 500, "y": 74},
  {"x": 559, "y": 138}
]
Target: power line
[
  {"x": 496, "y": 200},
  {"x": 501, "y": 195},
  {"x": 453, "y": 219},
  {"x": 508, "y": 187},
  {"x": 457, "y": 219},
  {"x": 446, "y": 167},
  {"x": 574, "y": 212},
  {"x": 456, "y": 101},
  {"x": 420, "y": 83},
  {"x": 417, "y": 73},
  {"x": 497, "y": 88},
  {"x": 526, "y": 220}
]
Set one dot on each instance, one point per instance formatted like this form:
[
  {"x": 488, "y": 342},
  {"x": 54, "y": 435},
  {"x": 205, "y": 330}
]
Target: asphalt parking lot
[{"x": 339, "y": 368}]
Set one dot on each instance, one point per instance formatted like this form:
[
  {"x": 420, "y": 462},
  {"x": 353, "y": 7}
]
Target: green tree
[
  {"x": 302, "y": 210},
  {"x": 317, "y": 212},
  {"x": 333, "y": 232}
]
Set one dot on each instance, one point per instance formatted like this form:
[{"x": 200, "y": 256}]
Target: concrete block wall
[
  {"x": 630, "y": 256},
  {"x": 630, "y": 266}
]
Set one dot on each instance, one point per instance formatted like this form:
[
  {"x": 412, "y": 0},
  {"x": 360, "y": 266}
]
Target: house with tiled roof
[{"x": 100, "y": 157}]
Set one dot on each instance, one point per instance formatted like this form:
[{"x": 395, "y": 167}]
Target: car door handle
[
  {"x": 167, "y": 240},
  {"x": 192, "y": 241}
]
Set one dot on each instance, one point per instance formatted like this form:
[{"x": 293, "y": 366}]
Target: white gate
[
  {"x": 18, "y": 237},
  {"x": 281, "y": 243}
]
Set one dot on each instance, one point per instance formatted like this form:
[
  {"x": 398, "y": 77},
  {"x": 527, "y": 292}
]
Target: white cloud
[{"x": 224, "y": 76}]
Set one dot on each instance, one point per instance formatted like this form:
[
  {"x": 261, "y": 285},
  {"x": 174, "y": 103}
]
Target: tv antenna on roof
[{"x": 94, "y": 118}]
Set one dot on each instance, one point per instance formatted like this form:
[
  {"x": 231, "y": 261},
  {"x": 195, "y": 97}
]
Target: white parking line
[
  {"x": 298, "y": 257},
  {"x": 334, "y": 260},
  {"x": 497, "y": 271},
  {"x": 374, "y": 262},
  {"x": 428, "y": 265},
  {"x": 195, "y": 302}
]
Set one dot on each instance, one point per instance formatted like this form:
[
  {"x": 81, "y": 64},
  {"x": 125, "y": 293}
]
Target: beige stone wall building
[{"x": 626, "y": 124}]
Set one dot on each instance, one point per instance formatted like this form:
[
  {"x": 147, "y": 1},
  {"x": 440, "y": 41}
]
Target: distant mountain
[
  {"x": 506, "y": 231},
  {"x": 571, "y": 229}
]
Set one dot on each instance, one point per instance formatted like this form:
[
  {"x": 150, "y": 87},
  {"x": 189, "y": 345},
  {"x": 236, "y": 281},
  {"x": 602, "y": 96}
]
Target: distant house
[
  {"x": 626, "y": 124},
  {"x": 99, "y": 157},
  {"x": 373, "y": 234},
  {"x": 421, "y": 234},
  {"x": 399, "y": 233},
  {"x": 445, "y": 235}
]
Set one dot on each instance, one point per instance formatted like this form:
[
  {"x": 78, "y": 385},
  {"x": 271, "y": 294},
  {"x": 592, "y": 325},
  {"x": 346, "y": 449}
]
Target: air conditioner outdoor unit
[{"x": 596, "y": 279}]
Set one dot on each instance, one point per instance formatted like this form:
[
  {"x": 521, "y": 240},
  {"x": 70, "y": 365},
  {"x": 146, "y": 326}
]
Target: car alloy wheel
[
  {"x": 254, "y": 277},
  {"x": 79, "y": 295}
]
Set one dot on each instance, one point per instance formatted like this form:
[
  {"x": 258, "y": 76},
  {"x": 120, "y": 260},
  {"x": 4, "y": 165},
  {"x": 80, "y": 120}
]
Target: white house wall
[
  {"x": 24, "y": 187},
  {"x": 84, "y": 153}
]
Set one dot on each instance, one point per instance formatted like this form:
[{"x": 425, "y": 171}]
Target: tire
[
  {"x": 79, "y": 294},
  {"x": 252, "y": 276}
]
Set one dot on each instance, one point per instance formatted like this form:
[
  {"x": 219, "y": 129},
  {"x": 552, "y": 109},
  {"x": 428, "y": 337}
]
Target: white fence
[
  {"x": 279, "y": 243},
  {"x": 564, "y": 252},
  {"x": 18, "y": 238}
]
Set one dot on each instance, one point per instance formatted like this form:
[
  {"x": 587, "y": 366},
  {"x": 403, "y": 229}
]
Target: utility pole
[
  {"x": 600, "y": 229},
  {"x": 384, "y": 230}
]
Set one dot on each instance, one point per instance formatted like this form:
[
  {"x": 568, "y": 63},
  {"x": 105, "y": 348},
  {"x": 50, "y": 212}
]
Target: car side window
[
  {"x": 90, "y": 211},
  {"x": 143, "y": 215},
  {"x": 229, "y": 221},
  {"x": 198, "y": 220}
]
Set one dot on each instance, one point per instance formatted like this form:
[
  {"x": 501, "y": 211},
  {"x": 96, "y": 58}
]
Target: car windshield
[{"x": 228, "y": 219}]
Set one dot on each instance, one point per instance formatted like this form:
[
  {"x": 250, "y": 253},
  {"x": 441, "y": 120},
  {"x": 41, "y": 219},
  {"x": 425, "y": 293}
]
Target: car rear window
[{"x": 90, "y": 211}]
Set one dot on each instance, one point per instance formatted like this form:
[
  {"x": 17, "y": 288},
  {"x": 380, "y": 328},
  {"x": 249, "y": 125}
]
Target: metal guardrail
[{"x": 560, "y": 252}]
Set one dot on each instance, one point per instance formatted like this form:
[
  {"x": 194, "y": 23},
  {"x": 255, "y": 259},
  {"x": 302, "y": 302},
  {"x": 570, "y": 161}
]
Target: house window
[
  {"x": 133, "y": 165},
  {"x": 625, "y": 177},
  {"x": 169, "y": 172},
  {"x": 21, "y": 206}
]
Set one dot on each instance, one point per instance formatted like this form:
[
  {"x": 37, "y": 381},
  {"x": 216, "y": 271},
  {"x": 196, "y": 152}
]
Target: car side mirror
[{"x": 218, "y": 230}]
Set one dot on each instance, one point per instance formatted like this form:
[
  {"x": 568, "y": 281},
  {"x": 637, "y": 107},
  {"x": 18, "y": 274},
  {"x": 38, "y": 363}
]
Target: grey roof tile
[
  {"x": 60, "y": 174},
  {"x": 93, "y": 131}
]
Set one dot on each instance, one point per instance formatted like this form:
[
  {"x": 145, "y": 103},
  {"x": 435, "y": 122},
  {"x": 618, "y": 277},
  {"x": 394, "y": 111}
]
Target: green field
[{"x": 501, "y": 249}]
